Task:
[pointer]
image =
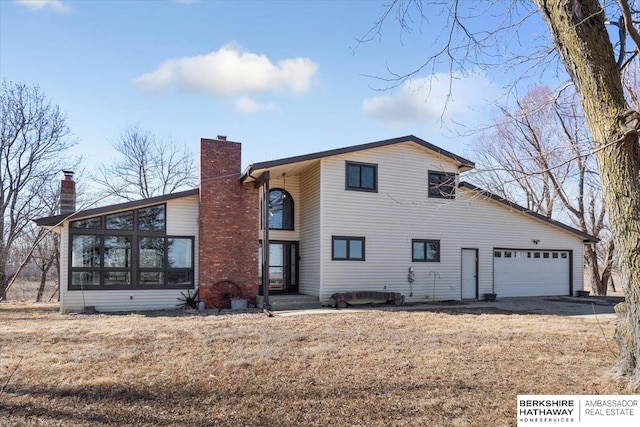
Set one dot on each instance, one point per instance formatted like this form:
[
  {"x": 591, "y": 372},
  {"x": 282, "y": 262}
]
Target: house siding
[
  {"x": 310, "y": 231},
  {"x": 182, "y": 220},
  {"x": 480, "y": 218},
  {"x": 401, "y": 211}
]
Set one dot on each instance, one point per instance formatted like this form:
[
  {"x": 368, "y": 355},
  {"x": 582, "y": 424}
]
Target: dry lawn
[{"x": 368, "y": 368}]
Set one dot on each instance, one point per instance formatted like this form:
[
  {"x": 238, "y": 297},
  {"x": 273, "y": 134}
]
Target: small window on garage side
[
  {"x": 563, "y": 255},
  {"x": 425, "y": 250},
  {"x": 497, "y": 254},
  {"x": 361, "y": 176},
  {"x": 545, "y": 255},
  {"x": 555, "y": 255},
  {"x": 536, "y": 255},
  {"x": 507, "y": 254}
]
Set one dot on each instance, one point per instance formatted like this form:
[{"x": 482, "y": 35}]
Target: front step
[{"x": 291, "y": 302}]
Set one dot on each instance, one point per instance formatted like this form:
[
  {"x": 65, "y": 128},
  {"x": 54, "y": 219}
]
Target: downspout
[{"x": 265, "y": 240}]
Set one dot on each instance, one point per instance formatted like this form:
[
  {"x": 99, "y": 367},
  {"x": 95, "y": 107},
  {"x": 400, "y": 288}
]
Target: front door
[
  {"x": 283, "y": 267},
  {"x": 469, "y": 274}
]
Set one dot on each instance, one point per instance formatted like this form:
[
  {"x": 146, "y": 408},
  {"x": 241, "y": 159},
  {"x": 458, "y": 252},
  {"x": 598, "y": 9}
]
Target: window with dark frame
[
  {"x": 108, "y": 252},
  {"x": 151, "y": 218},
  {"x": 120, "y": 221},
  {"x": 423, "y": 250},
  {"x": 280, "y": 210},
  {"x": 361, "y": 176},
  {"x": 442, "y": 185},
  {"x": 89, "y": 223},
  {"x": 344, "y": 248}
]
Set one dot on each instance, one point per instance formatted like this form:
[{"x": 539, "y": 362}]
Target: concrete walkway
[{"x": 588, "y": 307}]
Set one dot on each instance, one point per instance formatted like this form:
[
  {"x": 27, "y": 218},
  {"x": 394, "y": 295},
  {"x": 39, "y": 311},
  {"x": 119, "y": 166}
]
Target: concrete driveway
[{"x": 559, "y": 306}]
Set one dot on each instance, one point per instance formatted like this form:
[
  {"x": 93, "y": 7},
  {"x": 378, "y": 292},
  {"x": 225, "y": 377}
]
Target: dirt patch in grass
[{"x": 374, "y": 368}]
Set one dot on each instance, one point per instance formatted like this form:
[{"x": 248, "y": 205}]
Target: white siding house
[
  {"x": 392, "y": 215},
  {"x": 483, "y": 244}
]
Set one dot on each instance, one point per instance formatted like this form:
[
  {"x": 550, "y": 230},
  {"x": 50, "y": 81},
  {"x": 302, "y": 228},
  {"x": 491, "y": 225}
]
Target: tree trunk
[
  {"x": 43, "y": 283},
  {"x": 607, "y": 267},
  {"x": 579, "y": 33},
  {"x": 597, "y": 285},
  {"x": 4, "y": 282}
]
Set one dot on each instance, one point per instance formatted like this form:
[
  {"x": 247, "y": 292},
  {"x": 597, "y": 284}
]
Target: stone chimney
[
  {"x": 67, "y": 193},
  {"x": 228, "y": 246}
]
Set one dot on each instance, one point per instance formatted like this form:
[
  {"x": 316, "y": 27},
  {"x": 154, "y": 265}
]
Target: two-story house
[{"x": 390, "y": 215}]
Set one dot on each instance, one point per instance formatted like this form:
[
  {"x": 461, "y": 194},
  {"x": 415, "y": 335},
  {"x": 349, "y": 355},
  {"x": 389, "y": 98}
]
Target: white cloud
[
  {"x": 56, "y": 5},
  {"x": 430, "y": 99},
  {"x": 247, "y": 105},
  {"x": 230, "y": 71}
]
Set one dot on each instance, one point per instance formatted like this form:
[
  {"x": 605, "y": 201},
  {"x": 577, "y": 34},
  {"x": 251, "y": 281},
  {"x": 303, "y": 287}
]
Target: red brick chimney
[
  {"x": 67, "y": 193},
  {"x": 229, "y": 221}
]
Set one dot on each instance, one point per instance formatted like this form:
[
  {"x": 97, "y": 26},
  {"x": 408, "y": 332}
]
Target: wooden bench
[{"x": 344, "y": 299}]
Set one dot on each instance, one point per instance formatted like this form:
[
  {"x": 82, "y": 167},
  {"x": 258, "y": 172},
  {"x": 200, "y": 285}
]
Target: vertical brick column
[{"x": 229, "y": 222}]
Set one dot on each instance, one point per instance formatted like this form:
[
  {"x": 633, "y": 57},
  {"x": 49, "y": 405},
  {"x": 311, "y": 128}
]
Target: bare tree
[
  {"x": 40, "y": 248},
  {"x": 579, "y": 33},
  {"x": 580, "y": 43},
  {"x": 46, "y": 256},
  {"x": 540, "y": 152},
  {"x": 45, "y": 253},
  {"x": 148, "y": 167},
  {"x": 33, "y": 139}
]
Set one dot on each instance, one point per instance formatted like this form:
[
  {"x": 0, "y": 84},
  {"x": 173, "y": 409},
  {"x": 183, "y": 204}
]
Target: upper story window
[
  {"x": 361, "y": 176},
  {"x": 442, "y": 185},
  {"x": 280, "y": 210}
]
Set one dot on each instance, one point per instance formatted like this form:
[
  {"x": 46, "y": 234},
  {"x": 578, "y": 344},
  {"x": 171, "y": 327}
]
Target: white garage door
[{"x": 523, "y": 273}]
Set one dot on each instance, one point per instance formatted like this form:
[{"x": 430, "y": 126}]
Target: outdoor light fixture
[
  {"x": 536, "y": 241},
  {"x": 284, "y": 186}
]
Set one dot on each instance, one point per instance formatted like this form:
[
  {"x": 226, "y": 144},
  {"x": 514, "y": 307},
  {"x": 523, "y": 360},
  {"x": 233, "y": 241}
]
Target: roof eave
[
  {"x": 58, "y": 220},
  {"x": 464, "y": 164}
]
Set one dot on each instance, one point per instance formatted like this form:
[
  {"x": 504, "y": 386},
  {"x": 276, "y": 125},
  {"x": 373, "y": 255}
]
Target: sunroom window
[{"x": 108, "y": 252}]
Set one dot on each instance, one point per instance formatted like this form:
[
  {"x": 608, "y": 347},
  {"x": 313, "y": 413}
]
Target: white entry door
[{"x": 469, "y": 274}]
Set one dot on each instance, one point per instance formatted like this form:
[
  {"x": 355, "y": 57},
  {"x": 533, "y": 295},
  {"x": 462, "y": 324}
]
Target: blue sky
[{"x": 282, "y": 77}]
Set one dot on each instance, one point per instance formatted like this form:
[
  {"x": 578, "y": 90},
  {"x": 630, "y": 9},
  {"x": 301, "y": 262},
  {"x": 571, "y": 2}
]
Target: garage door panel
[{"x": 529, "y": 273}]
